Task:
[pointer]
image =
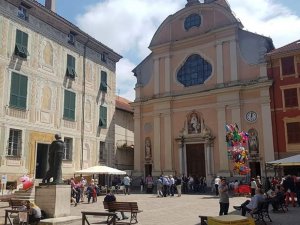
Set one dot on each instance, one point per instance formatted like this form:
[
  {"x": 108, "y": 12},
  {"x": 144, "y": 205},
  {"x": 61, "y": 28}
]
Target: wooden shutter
[
  {"x": 21, "y": 44},
  {"x": 71, "y": 66},
  {"x": 69, "y": 105},
  {"x": 103, "y": 84},
  {"x": 103, "y": 117},
  {"x": 18, "y": 93}
]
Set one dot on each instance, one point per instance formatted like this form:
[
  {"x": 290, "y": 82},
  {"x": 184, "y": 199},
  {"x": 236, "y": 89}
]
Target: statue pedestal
[{"x": 54, "y": 199}]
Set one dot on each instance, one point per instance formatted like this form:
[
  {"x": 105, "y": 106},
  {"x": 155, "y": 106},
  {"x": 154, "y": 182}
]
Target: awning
[
  {"x": 101, "y": 170},
  {"x": 289, "y": 161}
]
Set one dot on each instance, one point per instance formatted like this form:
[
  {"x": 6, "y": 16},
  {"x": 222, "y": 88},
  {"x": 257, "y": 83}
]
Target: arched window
[
  {"x": 194, "y": 71},
  {"x": 193, "y": 20}
]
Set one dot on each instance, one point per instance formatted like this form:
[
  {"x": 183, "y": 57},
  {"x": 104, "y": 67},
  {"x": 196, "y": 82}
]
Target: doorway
[
  {"x": 42, "y": 166},
  {"x": 195, "y": 159},
  {"x": 255, "y": 169},
  {"x": 148, "y": 169}
]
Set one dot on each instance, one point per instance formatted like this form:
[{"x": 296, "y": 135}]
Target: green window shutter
[
  {"x": 18, "y": 91},
  {"x": 103, "y": 84},
  {"x": 103, "y": 117},
  {"x": 71, "y": 66},
  {"x": 21, "y": 44},
  {"x": 69, "y": 105}
]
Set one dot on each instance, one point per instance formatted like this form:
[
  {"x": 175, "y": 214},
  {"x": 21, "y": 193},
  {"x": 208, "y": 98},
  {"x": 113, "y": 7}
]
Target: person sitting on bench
[
  {"x": 110, "y": 197},
  {"x": 251, "y": 205}
]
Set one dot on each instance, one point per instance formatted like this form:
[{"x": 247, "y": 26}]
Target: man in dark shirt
[{"x": 110, "y": 197}]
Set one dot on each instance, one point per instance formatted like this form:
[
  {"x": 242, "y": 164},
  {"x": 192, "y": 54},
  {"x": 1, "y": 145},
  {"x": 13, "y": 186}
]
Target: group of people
[
  {"x": 277, "y": 193},
  {"x": 91, "y": 189}
]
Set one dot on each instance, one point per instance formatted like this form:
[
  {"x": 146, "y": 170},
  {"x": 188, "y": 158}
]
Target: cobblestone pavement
[{"x": 182, "y": 210}]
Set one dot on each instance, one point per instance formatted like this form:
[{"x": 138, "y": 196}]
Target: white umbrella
[
  {"x": 289, "y": 161},
  {"x": 101, "y": 170}
]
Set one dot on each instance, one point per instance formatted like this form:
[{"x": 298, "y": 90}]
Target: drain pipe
[{"x": 83, "y": 101}]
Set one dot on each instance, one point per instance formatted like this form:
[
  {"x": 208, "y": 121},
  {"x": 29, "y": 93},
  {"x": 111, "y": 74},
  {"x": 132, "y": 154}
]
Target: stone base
[
  {"x": 60, "y": 220},
  {"x": 54, "y": 200}
]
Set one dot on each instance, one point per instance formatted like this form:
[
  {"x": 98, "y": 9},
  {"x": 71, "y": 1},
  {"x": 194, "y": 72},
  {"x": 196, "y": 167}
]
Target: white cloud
[{"x": 127, "y": 26}]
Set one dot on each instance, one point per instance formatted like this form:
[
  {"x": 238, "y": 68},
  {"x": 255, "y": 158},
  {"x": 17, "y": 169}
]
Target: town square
[{"x": 163, "y": 112}]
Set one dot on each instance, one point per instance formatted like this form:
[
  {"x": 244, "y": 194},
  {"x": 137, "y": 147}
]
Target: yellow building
[
  {"x": 54, "y": 78},
  {"x": 204, "y": 71}
]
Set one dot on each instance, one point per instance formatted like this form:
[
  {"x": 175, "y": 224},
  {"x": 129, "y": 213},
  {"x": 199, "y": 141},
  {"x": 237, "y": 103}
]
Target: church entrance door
[
  {"x": 195, "y": 158},
  {"x": 41, "y": 160}
]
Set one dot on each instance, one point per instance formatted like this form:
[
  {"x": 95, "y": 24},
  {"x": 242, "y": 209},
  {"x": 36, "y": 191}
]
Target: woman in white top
[{"x": 253, "y": 186}]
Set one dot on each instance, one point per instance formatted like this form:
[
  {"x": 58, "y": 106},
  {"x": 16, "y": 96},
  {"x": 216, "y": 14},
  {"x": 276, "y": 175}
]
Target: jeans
[{"x": 223, "y": 208}]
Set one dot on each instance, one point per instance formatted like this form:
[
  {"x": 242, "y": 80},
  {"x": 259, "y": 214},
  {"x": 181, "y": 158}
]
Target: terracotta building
[
  {"x": 204, "y": 71},
  {"x": 284, "y": 70}
]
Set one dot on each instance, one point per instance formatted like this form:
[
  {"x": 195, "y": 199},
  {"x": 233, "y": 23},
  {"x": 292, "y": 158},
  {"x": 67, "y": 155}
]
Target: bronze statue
[{"x": 56, "y": 153}]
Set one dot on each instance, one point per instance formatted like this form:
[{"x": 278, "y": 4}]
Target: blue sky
[{"x": 127, "y": 26}]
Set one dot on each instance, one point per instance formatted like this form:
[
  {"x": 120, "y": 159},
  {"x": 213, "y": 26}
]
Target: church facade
[{"x": 204, "y": 71}]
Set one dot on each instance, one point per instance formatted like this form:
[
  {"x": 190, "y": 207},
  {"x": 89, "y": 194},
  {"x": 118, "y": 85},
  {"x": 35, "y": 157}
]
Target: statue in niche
[
  {"x": 194, "y": 125},
  {"x": 253, "y": 141},
  {"x": 148, "y": 148}
]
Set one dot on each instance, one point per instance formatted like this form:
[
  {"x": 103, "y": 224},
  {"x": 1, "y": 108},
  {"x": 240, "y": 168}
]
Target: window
[
  {"x": 14, "y": 143},
  {"x": 101, "y": 151},
  {"x": 21, "y": 44},
  {"x": 68, "y": 148},
  {"x": 103, "y": 84},
  {"x": 195, "y": 71},
  {"x": 103, "y": 57},
  {"x": 18, "y": 91},
  {"x": 69, "y": 105},
  {"x": 193, "y": 20},
  {"x": 293, "y": 132},
  {"x": 71, "y": 66},
  {"x": 291, "y": 97},
  {"x": 287, "y": 65},
  {"x": 71, "y": 37},
  {"x": 22, "y": 13},
  {"x": 103, "y": 117}
]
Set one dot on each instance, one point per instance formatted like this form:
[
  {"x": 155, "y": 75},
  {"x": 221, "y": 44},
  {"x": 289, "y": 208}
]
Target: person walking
[
  {"x": 178, "y": 185},
  {"x": 253, "y": 186},
  {"x": 126, "y": 182},
  {"x": 224, "y": 197}
]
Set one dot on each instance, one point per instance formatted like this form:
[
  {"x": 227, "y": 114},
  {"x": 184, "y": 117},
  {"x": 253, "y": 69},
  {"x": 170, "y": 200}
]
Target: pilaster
[
  {"x": 220, "y": 75},
  {"x": 233, "y": 60}
]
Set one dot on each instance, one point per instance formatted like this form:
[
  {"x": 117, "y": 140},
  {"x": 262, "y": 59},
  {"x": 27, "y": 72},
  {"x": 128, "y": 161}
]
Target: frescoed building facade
[
  {"x": 54, "y": 78},
  {"x": 204, "y": 71}
]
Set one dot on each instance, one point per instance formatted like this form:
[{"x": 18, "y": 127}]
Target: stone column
[
  {"x": 267, "y": 126},
  {"x": 220, "y": 75},
  {"x": 137, "y": 139},
  {"x": 156, "y": 76},
  {"x": 236, "y": 115},
  {"x": 168, "y": 142},
  {"x": 233, "y": 60},
  {"x": 156, "y": 146},
  {"x": 167, "y": 75},
  {"x": 223, "y": 158}
]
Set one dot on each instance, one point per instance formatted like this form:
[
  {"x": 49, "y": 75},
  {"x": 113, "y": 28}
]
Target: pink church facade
[{"x": 204, "y": 71}]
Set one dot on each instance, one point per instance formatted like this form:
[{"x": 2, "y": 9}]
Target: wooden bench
[
  {"x": 112, "y": 217},
  {"x": 11, "y": 214},
  {"x": 16, "y": 203},
  {"x": 130, "y": 207}
]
